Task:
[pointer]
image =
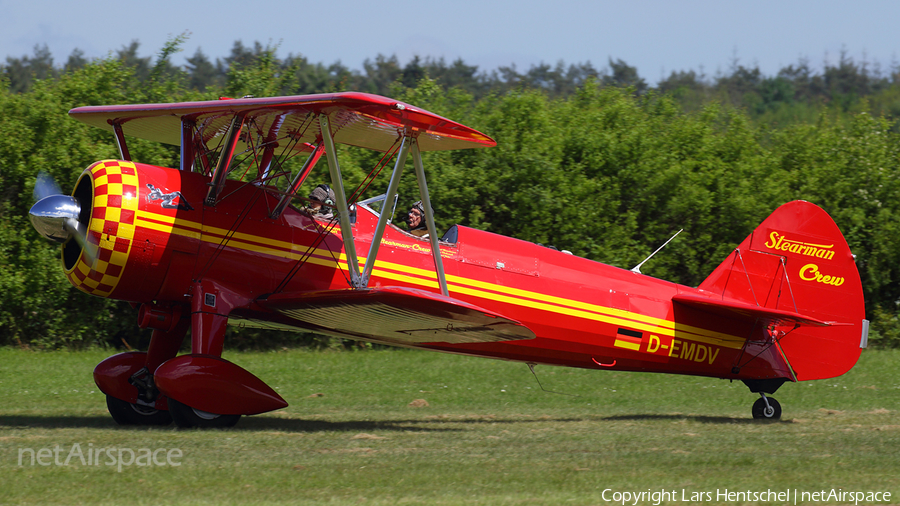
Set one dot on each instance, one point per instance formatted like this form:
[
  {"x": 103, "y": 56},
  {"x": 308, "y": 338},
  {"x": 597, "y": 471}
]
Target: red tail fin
[{"x": 798, "y": 261}]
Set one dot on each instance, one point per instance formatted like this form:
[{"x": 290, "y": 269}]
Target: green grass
[{"x": 489, "y": 435}]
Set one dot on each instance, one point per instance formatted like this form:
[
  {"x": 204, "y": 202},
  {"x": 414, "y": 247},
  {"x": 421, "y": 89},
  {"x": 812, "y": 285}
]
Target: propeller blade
[
  {"x": 78, "y": 232},
  {"x": 45, "y": 186}
]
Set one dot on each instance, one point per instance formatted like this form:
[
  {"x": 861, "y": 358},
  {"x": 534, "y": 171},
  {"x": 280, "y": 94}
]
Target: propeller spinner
[{"x": 56, "y": 216}]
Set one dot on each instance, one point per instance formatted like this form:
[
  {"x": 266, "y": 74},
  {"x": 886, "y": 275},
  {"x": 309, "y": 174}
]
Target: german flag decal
[{"x": 630, "y": 339}]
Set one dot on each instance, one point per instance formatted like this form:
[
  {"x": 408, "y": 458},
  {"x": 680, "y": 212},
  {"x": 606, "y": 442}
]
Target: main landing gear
[
  {"x": 126, "y": 413},
  {"x": 199, "y": 389},
  {"x": 186, "y": 417}
]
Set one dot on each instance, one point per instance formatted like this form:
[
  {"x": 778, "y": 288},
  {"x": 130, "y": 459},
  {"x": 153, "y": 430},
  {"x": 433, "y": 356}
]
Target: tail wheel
[
  {"x": 126, "y": 413},
  {"x": 770, "y": 411},
  {"x": 187, "y": 417}
]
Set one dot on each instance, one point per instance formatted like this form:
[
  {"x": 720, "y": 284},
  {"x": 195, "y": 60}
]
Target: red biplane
[{"x": 200, "y": 248}]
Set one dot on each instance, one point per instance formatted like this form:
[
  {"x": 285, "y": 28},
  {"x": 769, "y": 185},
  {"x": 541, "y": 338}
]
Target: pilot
[
  {"x": 416, "y": 220},
  {"x": 322, "y": 194}
]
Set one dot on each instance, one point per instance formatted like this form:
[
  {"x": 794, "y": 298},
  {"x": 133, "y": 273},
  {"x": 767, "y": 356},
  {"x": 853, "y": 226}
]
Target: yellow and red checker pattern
[{"x": 111, "y": 230}]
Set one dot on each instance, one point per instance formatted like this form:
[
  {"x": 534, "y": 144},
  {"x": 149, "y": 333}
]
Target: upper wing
[
  {"x": 396, "y": 315},
  {"x": 357, "y": 119},
  {"x": 743, "y": 311}
]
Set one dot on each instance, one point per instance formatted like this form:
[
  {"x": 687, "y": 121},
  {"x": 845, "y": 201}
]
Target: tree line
[
  {"x": 797, "y": 93},
  {"x": 607, "y": 170}
]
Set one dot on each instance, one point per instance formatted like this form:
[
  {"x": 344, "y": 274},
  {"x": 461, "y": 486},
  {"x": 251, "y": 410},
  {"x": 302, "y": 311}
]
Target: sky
[{"x": 656, "y": 37}]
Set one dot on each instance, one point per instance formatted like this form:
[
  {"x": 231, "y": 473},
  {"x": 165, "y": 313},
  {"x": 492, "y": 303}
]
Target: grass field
[{"x": 488, "y": 435}]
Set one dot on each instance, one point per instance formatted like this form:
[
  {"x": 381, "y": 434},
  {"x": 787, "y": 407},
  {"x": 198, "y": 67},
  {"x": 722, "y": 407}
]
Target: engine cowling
[{"x": 137, "y": 218}]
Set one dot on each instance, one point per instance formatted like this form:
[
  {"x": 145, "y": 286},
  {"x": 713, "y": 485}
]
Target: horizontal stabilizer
[
  {"x": 742, "y": 310},
  {"x": 396, "y": 315}
]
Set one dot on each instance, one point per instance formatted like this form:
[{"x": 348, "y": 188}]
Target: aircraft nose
[{"x": 55, "y": 217}]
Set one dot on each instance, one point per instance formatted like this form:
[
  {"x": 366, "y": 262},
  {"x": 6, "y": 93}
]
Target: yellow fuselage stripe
[{"x": 460, "y": 285}]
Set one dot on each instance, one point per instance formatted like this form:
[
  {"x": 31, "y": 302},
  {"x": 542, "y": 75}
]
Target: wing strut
[
  {"x": 120, "y": 142},
  {"x": 385, "y": 216},
  {"x": 225, "y": 157},
  {"x": 271, "y": 142},
  {"x": 187, "y": 145},
  {"x": 298, "y": 180},
  {"x": 337, "y": 183},
  {"x": 409, "y": 145},
  {"x": 429, "y": 217}
]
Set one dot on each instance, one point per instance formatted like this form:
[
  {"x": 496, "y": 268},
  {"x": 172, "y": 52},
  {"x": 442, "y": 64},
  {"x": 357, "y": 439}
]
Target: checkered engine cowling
[{"x": 114, "y": 203}]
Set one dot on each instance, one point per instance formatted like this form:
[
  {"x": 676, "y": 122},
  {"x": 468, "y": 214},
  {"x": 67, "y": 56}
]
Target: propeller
[
  {"x": 55, "y": 215},
  {"x": 45, "y": 186}
]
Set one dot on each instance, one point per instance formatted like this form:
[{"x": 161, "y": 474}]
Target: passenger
[
  {"x": 416, "y": 220},
  {"x": 322, "y": 194}
]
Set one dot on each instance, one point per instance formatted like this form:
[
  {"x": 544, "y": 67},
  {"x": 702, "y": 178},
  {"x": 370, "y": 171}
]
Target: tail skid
[{"x": 795, "y": 273}]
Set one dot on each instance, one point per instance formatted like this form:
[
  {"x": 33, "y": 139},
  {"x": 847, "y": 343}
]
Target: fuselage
[{"x": 157, "y": 237}]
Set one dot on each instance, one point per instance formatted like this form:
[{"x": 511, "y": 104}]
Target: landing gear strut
[
  {"x": 766, "y": 408},
  {"x": 203, "y": 389}
]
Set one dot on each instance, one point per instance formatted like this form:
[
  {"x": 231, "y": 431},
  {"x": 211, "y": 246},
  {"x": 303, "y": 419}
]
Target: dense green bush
[{"x": 604, "y": 172}]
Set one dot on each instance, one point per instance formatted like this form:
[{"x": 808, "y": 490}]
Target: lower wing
[{"x": 396, "y": 315}]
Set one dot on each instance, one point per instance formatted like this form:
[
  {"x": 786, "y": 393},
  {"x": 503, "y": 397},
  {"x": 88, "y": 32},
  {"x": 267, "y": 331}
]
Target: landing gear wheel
[
  {"x": 772, "y": 412},
  {"x": 126, "y": 413},
  {"x": 187, "y": 417}
]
